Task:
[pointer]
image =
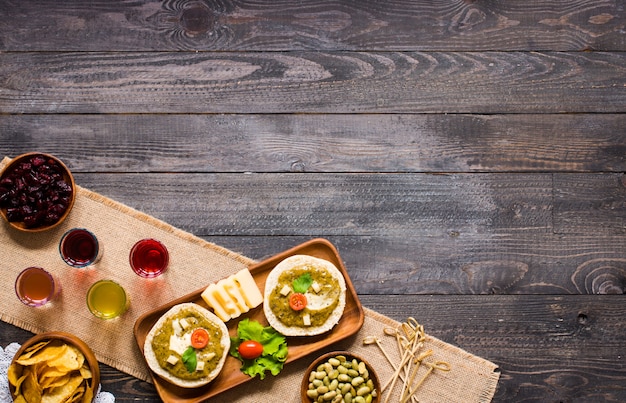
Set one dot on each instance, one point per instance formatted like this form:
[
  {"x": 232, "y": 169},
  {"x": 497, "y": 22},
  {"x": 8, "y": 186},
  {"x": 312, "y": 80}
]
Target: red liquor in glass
[
  {"x": 149, "y": 258},
  {"x": 79, "y": 247}
]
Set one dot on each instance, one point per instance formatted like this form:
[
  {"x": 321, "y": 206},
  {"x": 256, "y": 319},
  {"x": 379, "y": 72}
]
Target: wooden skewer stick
[
  {"x": 408, "y": 354},
  {"x": 407, "y": 393},
  {"x": 374, "y": 340}
]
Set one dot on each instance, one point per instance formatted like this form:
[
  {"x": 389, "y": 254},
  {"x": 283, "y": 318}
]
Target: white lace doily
[{"x": 6, "y": 355}]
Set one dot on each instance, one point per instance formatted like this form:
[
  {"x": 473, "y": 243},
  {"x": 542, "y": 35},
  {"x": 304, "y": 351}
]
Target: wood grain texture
[
  {"x": 467, "y": 158},
  {"x": 323, "y": 143},
  {"x": 419, "y": 234},
  {"x": 313, "y": 82},
  {"x": 288, "y": 25}
]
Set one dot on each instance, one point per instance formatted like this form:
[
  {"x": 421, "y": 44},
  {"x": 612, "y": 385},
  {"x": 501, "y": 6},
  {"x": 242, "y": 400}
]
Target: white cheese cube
[
  {"x": 184, "y": 324},
  {"x": 172, "y": 359},
  {"x": 176, "y": 327},
  {"x": 316, "y": 287},
  {"x": 306, "y": 319},
  {"x": 200, "y": 366},
  {"x": 285, "y": 290},
  {"x": 206, "y": 356}
]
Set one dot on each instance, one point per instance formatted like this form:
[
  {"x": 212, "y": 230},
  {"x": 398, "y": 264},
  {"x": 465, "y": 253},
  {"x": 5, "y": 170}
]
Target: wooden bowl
[
  {"x": 70, "y": 339},
  {"x": 10, "y": 168},
  {"x": 306, "y": 380}
]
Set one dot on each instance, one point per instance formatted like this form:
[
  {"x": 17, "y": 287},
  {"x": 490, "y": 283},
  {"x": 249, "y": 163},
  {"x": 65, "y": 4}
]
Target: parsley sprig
[{"x": 302, "y": 283}]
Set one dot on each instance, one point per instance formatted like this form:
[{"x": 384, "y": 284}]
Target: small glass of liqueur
[
  {"x": 80, "y": 248},
  {"x": 106, "y": 299},
  {"x": 149, "y": 258},
  {"x": 36, "y": 287}
]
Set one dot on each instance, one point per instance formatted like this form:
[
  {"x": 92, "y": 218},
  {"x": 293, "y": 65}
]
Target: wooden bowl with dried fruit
[{"x": 37, "y": 192}]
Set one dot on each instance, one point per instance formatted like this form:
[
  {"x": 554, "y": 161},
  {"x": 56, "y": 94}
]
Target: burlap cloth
[{"x": 194, "y": 263}]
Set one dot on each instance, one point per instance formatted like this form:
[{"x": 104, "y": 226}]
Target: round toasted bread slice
[
  {"x": 316, "y": 303},
  {"x": 213, "y": 355}
]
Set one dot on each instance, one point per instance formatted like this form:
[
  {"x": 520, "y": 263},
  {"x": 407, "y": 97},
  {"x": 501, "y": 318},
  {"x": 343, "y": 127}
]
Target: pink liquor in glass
[
  {"x": 149, "y": 258},
  {"x": 36, "y": 287},
  {"x": 80, "y": 248}
]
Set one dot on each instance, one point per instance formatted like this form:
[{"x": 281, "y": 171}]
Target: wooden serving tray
[{"x": 231, "y": 375}]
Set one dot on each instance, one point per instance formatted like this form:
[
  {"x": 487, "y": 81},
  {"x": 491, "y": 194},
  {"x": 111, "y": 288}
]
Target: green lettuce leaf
[{"x": 274, "y": 348}]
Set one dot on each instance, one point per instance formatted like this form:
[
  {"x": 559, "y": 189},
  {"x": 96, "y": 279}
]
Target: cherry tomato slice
[
  {"x": 297, "y": 301},
  {"x": 250, "y": 349},
  {"x": 199, "y": 338}
]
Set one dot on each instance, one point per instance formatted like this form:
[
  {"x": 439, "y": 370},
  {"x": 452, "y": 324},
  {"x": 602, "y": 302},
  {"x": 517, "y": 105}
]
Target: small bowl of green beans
[{"x": 340, "y": 376}]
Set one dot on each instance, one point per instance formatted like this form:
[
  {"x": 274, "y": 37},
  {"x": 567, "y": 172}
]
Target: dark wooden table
[{"x": 467, "y": 158}]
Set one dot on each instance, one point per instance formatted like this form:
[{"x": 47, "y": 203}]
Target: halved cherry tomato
[
  {"x": 250, "y": 349},
  {"x": 297, "y": 301},
  {"x": 199, "y": 338}
]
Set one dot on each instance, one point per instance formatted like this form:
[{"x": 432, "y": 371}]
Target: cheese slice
[
  {"x": 232, "y": 296},
  {"x": 250, "y": 290},
  {"x": 234, "y": 292},
  {"x": 208, "y": 297},
  {"x": 227, "y": 303}
]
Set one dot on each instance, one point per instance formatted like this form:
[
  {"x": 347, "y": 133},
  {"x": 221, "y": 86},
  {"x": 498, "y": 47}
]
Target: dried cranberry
[
  {"x": 38, "y": 160},
  {"x": 13, "y": 214},
  {"x": 64, "y": 187}
]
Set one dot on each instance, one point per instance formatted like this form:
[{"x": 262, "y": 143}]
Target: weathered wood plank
[
  {"x": 328, "y": 143},
  {"x": 313, "y": 82},
  {"x": 361, "y": 204},
  {"x": 326, "y": 25},
  {"x": 442, "y": 234},
  {"x": 459, "y": 264},
  {"x": 597, "y": 201}
]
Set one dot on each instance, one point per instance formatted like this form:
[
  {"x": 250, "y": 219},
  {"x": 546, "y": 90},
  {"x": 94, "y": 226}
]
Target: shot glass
[
  {"x": 36, "y": 287},
  {"x": 106, "y": 299},
  {"x": 149, "y": 258},
  {"x": 80, "y": 248}
]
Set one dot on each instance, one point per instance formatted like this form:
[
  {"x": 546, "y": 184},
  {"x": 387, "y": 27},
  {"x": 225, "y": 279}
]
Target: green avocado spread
[
  {"x": 210, "y": 354},
  {"x": 320, "y": 304}
]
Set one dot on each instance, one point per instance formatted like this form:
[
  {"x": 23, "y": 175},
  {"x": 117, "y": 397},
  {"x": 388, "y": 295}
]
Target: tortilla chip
[
  {"x": 85, "y": 372},
  {"x": 18, "y": 384},
  {"x": 49, "y": 383},
  {"x": 46, "y": 354},
  {"x": 34, "y": 348},
  {"x": 62, "y": 393},
  {"x": 31, "y": 390},
  {"x": 49, "y": 372},
  {"x": 77, "y": 395},
  {"x": 14, "y": 373},
  {"x": 70, "y": 360},
  {"x": 87, "y": 396}
]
